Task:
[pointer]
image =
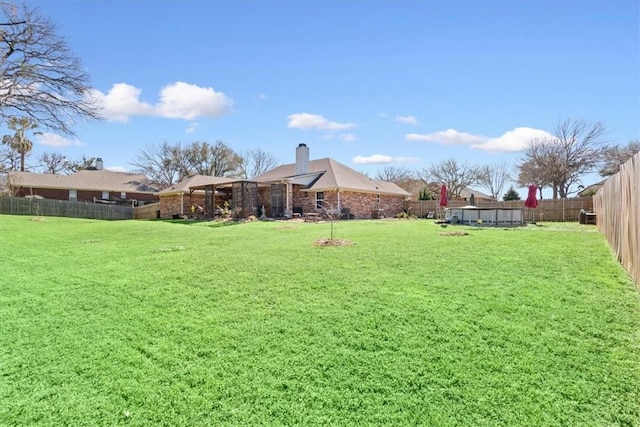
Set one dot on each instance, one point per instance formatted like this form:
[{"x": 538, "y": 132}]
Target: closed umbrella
[
  {"x": 531, "y": 201},
  {"x": 443, "y": 195},
  {"x": 443, "y": 200}
]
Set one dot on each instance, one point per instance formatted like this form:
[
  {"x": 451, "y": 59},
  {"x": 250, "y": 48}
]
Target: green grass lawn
[{"x": 196, "y": 324}]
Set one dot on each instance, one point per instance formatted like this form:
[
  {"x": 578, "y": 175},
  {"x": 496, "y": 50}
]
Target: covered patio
[{"x": 237, "y": 198}]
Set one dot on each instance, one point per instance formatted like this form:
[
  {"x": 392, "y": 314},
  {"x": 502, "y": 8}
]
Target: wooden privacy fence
[
  {"x": 44, "y": 207},
  {"x": 150, "y": 211},
  {"x": 558, "y": 210},
  {"x": 617, "y": 206}
]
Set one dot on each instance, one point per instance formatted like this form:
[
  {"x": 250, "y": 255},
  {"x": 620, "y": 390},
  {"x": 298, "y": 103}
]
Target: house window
[
  {"x": 73, "y": 195},
  {"x": 123, "y": 195},
  {"x": 319, "y": 199},
  {"x": 105, "y": 195},
  {"x": 377, "y": 198}
]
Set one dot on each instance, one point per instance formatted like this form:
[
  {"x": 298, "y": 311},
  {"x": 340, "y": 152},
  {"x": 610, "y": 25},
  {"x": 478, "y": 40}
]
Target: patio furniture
[{"x": 311, "y": 216}]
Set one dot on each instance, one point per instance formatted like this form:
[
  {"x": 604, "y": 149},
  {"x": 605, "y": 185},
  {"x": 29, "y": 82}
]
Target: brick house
[
  {"x": 89, "y": 185},
  {"x": 318, "y": 186},
  {"x": 325, "y": 185}
]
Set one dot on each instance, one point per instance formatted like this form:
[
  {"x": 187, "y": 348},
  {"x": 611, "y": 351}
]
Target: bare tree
[
  {"x": 530, "y": 172},
  {"x": 256, "y": 162},
  {"x": 456, "y": 176},
  {"x": 395, "y": 174},
  {"x": 616, "y": 156},
  {"x": 213, "y": 160},
  {"x": 9, "y": 187},
  {"x": 495, "y": 177},
  {"x": 575, "y": 150},
  {"x": 163, "y": 164},
  {"x": 403, "y": 177},
  {"x": 53, "y": 163},
  {"x": 4, "y": 182},
  {"x": 9, "y": 157},
  {"x": 19, "y": 141},
  {"x": 39, "y": 76},
  {"x": 80, "y": 164}
]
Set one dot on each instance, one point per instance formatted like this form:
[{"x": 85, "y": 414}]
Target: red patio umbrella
[
  {"x": 443, "y": 195},
  {"x": 531, "y": 201}
]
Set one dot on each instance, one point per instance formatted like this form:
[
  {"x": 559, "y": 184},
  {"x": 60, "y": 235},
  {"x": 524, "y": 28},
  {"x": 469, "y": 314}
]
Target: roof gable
[
  {"x": 334, "y": 175},
  {"x": 194, "y": 181}
]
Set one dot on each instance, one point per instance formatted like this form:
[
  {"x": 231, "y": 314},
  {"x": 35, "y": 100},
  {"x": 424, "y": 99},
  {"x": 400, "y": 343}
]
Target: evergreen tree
[{"x": 511, "y": 194}]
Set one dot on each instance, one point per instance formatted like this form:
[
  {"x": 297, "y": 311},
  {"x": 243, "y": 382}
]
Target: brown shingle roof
[
  {"x": 467, "y": 192},
  {"x": 195, "y": 181},
  {"x": 86, "y": 180},
  {"x": 331, "y": 175}
]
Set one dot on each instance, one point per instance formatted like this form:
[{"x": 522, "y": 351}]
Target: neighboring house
[
  {"x": 89, "y": 185},
  {"x": 326, "y": 185},
  {"x": 466, "y": 193},
  {"x": 591, "y": 190},
  {"x": 416, "y": 186},
  {"x": 181, "y": 197}
]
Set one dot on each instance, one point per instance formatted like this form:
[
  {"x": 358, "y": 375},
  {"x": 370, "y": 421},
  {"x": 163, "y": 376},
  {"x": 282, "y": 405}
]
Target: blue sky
[{"x": 368, "y": 83}]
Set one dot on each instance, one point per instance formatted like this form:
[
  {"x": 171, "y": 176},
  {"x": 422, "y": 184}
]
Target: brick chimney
[{"x": 302, "y": 159}]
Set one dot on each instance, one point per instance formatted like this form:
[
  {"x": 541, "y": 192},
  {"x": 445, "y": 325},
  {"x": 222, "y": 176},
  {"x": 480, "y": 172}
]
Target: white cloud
[
  {"x": 263, "y": 96},
  {"x": 192, "y": 128},
  {"x": 121, "y": 102},
  {"x": 181, "y": 100},
  {"x": 306, "y": 121},
  {"x": 447, "y": 137},
  {"x": 116, "y": 169},
  {"x": 177, "y": 100},
  {"x": 511, "y": 141},
  {"x": 348, "y": 137},
  {"x": 53, "y": 140},
  {"x": 410, "y": 120},
  {"x": 380, "y": 159}
]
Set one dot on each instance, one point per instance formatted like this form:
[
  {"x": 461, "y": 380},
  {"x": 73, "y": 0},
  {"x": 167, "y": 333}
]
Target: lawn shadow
[{"x": 201, "y": 222}]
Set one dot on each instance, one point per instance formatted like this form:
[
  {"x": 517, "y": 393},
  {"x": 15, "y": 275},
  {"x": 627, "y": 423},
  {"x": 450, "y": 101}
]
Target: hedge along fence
[
  {"x": 558, "y": 210},
  {"x": 44, "y": 207},
  {"x": 617, "y": 206}
]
